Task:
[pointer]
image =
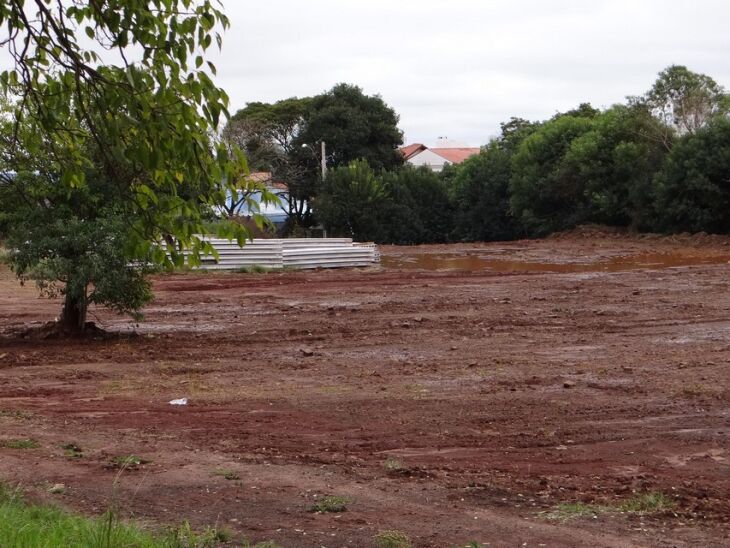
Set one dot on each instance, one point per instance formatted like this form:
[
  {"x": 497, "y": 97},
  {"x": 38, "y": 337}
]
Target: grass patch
[
  {"x": 571, "y": 510},
  {"x": 392, "y": 539},
  {"x": 15, "y": 414},
  {"x": 27, "y": 443},
  {"x": 640, "y": 503},
  {"x": 227, "y": 474},
  {"x": 646, "y": 503},
  {"x": 330, "y": 503},
  {"x": 25, "y": 524},
  {"x": 72, "y": 451},
  {"x": 393, "y": 465}
]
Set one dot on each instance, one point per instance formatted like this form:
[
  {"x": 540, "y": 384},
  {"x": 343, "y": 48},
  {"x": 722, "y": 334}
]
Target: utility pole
[{"x": 324, "y": 161}]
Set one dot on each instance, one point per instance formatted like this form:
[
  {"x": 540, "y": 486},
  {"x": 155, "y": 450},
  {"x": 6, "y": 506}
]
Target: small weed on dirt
[
  {"x": 330, "y": 503},
  {"x": 15, "y": 414},
  {"x": 393, "y": 465},
  {"x": 699, "y": 390},
  {"x": 226, "y": 473},
  {"x": 264, "y": 544},
  {"x": 72, "y": 451},
  {"x": 208, "y": 538},
  {"x": 392, "y": 539},
  {"x": 20, "y": 444},
  {"x": 127, "y": 462},
  {"x": 571, "y": 510}
]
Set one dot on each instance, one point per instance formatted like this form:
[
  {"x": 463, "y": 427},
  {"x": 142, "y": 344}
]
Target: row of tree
[
  {"x": 661, "y": 162},
  {"x": 285, "y": 138}
]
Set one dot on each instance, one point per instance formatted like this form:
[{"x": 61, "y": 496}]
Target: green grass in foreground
[{"x": 26, "y": 525}]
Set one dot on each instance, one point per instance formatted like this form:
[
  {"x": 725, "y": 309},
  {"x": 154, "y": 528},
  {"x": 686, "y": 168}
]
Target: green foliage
[
  {"x": 355, "y": 126},
  {"x": 545, "y": 196},
  {"x": 227, "y": 473},
  {"x": 572, "y": 510},
  {"x": 684, "y": 100},
  {"x": 20, "y": 444},
  {"x": 263, "y": 544},
  {"x": 351, "y": 202},
  {"x": 417, "y": 208},
  {"x": 407, "y": 206},
  {"x": 481, "y": 196},
  {"x": 75, "y": 242},
  {"x": 285, "y": 138},
  {"x": 693, "y": 188},
  {"x": 25, "y": 524},
  {"x": 615, "y": 162},
  {"x": 72, "y": 451},
  {"x": 163, "y": 110},
  {"x": 392, "y": 539},
  {"x": 131, "y": 139},
  {"x": 641, "y": 503},
  {"x": 644, "y": 503},
  {"x": 330, "y": 503}
]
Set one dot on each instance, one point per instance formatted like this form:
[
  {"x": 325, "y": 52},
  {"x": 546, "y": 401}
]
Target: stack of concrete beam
[{"x": 298, "y": 253}]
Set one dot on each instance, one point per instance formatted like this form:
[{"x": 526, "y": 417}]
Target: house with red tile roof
[{"x": 446, "y": 152}]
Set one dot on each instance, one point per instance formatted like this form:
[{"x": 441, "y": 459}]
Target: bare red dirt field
[{"x": 457, "y": 393}]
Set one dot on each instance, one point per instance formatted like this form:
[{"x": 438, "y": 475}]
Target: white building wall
[{"x": 428, "y": 159}]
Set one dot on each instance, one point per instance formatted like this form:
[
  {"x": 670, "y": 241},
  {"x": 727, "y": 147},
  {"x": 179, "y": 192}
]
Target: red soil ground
[{"x": 459, "y": 393}]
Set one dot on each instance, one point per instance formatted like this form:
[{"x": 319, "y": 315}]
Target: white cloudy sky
[{"x": 458, "y": 68}]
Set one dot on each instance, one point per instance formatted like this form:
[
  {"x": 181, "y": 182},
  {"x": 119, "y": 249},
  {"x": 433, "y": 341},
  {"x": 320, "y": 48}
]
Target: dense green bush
[
  {"x": 614, "y": 164},
  {"x": 693, "y": 188},
  {"x": 418, "y": 209},
  {"x": 546, "y": 196},
  {"x": 481, "y": 196},
  {"x": 351, "y": 201}
]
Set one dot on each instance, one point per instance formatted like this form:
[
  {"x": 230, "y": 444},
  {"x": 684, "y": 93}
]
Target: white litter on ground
[{"x": 181, "y": 401}]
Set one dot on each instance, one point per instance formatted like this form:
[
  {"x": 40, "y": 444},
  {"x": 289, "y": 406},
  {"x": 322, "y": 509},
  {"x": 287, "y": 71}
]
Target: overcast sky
[{"x": 458, "y": 68}]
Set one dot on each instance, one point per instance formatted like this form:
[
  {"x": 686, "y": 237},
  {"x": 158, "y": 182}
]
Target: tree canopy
[
  {"x": 693, "y": 187},
  {"x": 124, "y": 116},
  {"x": 285, "y": 137},
  {"x": 544, "y": 195},
  {"x": 355, "y": 126}
]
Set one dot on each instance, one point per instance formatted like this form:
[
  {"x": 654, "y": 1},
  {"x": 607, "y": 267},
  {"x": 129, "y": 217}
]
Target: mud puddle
[{"x": 477, "y": 263}]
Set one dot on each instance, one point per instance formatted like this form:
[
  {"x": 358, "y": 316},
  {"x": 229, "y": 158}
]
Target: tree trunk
[{"x": 73, "y": 316}]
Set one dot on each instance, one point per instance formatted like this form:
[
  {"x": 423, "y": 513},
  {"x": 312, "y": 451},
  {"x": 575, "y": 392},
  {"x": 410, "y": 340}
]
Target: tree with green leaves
[
  {"x": 480, "y": 188},
  {"x": 481, "y": 196},
  {"x": 285, "y": 138},
  {"x": 417, "y": 208},
  {"x": 544, "y": 196},
  {"x": 351, "y": 202},
  {"x": 354, "y": 126},
  {"x": 693, "y": 188},
  {"x": 122, "y": 121},
  {"x": 684, "y": 101},
  {"x": 268, "y": 133},
  {"x": 615, "y": 162}
]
